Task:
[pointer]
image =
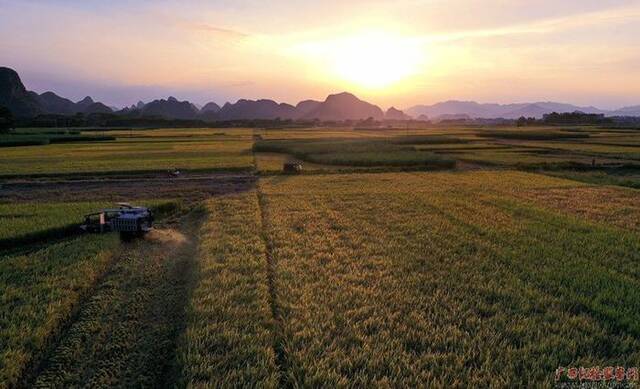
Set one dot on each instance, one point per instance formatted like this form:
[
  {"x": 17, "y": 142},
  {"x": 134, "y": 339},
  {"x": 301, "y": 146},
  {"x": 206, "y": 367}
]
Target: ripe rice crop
[
  {"x": 23, "y": 222},
  {"x": 229, "y": 334},
  {"x": 446, "y": 278},
  {"x": 125, "y": 333},
  {"x": 372, "y": 152},
  {"x": 427, "y": 140},
  {"x": 533, "y": 134},
  {"x": 620, "y": 209},
  {"x": 38, "y": 293},
  {"x": 402, "y": 158},
  {"x": 130, "y": 154},
  {"x": 621, "y": 177},
  {"x": 527, "y": 158}
]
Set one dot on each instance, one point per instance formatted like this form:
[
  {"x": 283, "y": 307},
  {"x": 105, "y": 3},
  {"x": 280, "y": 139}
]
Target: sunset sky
[{"x": 400, "y": 53}]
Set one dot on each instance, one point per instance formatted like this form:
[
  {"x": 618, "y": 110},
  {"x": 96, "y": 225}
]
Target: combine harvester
[{"x": 130, "y": 221}]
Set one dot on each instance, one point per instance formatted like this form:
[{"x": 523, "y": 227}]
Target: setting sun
[
  {"x": 375, "y": 60},
  {"x": 371, "y": 60}
]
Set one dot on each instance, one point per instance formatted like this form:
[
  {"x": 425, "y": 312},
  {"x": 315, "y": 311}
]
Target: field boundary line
[{"x": 279, "y": 349}]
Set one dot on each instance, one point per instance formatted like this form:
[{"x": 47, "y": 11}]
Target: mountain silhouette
[
  {"x": 451, "y": 116},
  {"x": 336, "y": 107},
  {"x": 531, "y": 110},
  {"x": 306, "y": 106},
  {"x": 490, "y": 111},
  {"x": 15, "y": 97},
  {"x": 209, "y": 112},
  {"x": 256, "y": 109},
  {"x": 395, "y": 114},
  {"x": 84, "y": 103},
  {"x": 210, "y": 107},
  {"x": 97, "y": 107},
  {"x": 25, "y": 104},
  {"x": 52, "y": 103},
  {"x": 170, "y": 109},
  {"x": 344, "y": 106},
  {"x": 627, "y": 111}
]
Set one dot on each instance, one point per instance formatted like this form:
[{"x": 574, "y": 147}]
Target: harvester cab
[{"x": 130, "y": 221}]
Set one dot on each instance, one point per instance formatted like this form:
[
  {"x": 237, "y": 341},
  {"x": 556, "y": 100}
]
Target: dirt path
[{"x": 125, "y": 334}]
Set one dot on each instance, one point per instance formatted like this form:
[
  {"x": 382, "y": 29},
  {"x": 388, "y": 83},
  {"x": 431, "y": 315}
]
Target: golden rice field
[
  {"x": 229, "y": 335},
  {"x": 412, "y": 279},
  {"x": 135, "y": 151},
  {"x": 40, "y": 291},
  {"x": 364, "y": 274},
  {"x": 456, "y": 280}
]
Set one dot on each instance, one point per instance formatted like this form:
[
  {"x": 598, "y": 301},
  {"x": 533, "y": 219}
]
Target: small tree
[{"x": 6, "y": 120}]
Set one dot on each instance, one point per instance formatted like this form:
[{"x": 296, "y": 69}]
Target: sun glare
[
  {"x": 372, "y": 60},
  {"x": 375, "y": 60}
]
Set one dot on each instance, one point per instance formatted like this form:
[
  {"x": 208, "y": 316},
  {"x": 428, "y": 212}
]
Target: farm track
[
  {"x": 125, "y": 332},
  {"x": 279, "y": 347},
  {"x": 193, "y": 187}
]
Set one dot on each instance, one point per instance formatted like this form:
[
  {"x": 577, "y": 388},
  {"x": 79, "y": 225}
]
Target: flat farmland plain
[
  {"x": 411, "y": 279},
  {"x": 518, "y": 259},
  {"x": 135, "y": 151}
]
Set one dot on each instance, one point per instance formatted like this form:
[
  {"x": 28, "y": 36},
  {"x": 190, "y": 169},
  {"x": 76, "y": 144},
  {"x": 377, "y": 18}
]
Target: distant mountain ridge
[
  {"x": 15, "y": 97},
  {"x": 24, "y": 103},
  {"x": 170, "y": 109},
  {"x": 336, "y": 107},
  {"x": 507, "y": 111},
  {"x": 396, "y": 114},
  {"x": 344, "y": 106},
  {"x": 257, "y": 109},
  {"x": 210, "y": 107},
  {"x": 306, "y": 106}
]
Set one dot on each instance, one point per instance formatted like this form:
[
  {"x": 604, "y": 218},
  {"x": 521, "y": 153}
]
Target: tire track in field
[
  {"x": 282, "y": 358},
  {"x": 35, "y": 366},
  {"x": 126, "y": 332}
]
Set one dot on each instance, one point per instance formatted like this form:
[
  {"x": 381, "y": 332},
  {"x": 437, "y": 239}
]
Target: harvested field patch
[{"x": 125, "y": 334}]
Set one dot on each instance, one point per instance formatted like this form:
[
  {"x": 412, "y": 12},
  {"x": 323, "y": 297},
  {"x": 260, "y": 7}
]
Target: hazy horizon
[{"x": 401, "y": 53}]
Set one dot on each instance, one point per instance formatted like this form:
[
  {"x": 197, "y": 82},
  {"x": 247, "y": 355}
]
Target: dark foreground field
[{"x": 471, "y": 263}]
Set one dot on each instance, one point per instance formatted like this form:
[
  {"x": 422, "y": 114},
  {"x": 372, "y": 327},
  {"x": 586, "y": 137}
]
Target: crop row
[
  {"x": 39, "y": 292},
  {"x": 229, "y": 335}
]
